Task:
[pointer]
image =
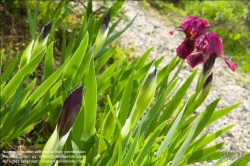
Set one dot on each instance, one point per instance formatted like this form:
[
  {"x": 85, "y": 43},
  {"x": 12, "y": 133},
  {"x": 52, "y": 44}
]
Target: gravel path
[{"x": 150, "y": 29}]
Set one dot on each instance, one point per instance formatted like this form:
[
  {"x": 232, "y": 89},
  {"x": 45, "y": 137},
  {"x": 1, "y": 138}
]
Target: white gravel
[{"x": 150, "y": 29}]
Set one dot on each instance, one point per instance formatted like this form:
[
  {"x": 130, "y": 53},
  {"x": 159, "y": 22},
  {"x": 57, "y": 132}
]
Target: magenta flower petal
[
  {"x": 193, "y": 27},
  {"x": 71, "y": 108},
  {"x": 195, "y": 59},
  {"x": 188, "y": 21},
  {"x": 177, "y": 29},
  {"x": 186, "y": 48},
  {"x": 230, "y": 64},
  {"x": 214, "y": 44},
  {"x": 208, "y": 45}
]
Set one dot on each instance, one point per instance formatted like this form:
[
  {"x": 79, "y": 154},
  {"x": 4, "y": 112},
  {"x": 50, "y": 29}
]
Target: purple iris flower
[
  {"x": 193, "y": 27},
  {"x": 208, "y": 46}
]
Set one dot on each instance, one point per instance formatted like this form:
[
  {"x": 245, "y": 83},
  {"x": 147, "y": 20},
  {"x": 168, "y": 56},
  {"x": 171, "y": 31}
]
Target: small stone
[
  {"x": 233, "y": 147},
  {"x": 246, "y": 106},
  {"x": 246, "y": 86},
  {"x": 230, "y": 134}
]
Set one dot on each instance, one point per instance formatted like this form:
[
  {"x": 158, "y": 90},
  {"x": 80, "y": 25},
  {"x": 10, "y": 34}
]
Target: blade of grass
[{"x": 180, "y": 153}]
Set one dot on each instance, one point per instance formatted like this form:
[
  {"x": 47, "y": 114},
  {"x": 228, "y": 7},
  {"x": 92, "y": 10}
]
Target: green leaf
[
  {"x": 171, "y": 132},
  {"x": 9, "y": 70},
  {"x": 173, "y": 104},
  {"x": 25, "y": 93},
  {"x": 104, "y": 78},
  {"x": 75, "y": 62},
  {"x": 143, "y": 59},
  {"x": 42, "y": 89},
  {"x": 26, "y": 55},
  {"x": 71, "y": 44},
  {"x": 145, "y": 96},
  {"x": 113, "y": 26},
  {"x": 1, "y": 68},
  {"x": 35, "y": 117},
  {"x": 153, "y": 112},
  {"x": 205, "y": 117},
  {"x": 220, "y": 113},
  {"x": 115, "y": 8},
  {"x": 202, "y": 142},
  {"x": 124, "y": 106},
  {"x": 100, "y": 62},
  {"x": 197, "y": 155},
  {"x": 91, "y": 30},
  {"x": 25, "y": 117},
  {"x": 83, "y": 67},
  {"x": 179, "y": 155},
  {"x": 140, "y": 74},
  {"x": 131, "y": 152},
  {"x": 108, "y": 126},
  {"x": 213, "y": 156},
  {"x": 111, "y": 161},
  {"x": 11, "y": 87},
  {"x": 116, "y": 35},
  {"x": 90, "y": 101},
  {"x": 89, "y": 8},
  {"x": 100, "y": 40},
  {"x": 50, "y": 146},
  {"x": 49, "y": 62},
  {"x": 114, "y": 114},
  {"x": 243, "y": 160},
  {"x": 151, "y": 140},
  {"x": 81, "y": 33},
  {"x": 196, "y": 103},
  {"x": 46, "y": 98},
  {"x": 7, "y": 121}
]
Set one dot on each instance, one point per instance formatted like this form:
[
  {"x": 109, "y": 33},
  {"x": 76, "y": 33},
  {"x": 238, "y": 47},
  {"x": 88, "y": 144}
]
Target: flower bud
[
  {"x": 207, "y": 67},
  {"x": 106, "y": 20},
  {"x": 143, "y": 100},
  {"x": 208, "y": 81},
  {"x": 45, "y": 31},
  {"x": 41, "y": 41},
  {"x": 71, "y": 108},
  {"x": 102, "y": 34}
]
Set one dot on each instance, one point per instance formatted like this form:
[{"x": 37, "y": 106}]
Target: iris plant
[{"x": 200, "y": 47}]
